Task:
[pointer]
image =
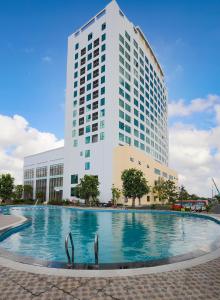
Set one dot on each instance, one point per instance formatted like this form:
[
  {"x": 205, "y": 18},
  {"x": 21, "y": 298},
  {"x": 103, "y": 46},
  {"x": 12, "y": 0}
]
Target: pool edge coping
[
  {"x": 5, "y": 262},
  {"x": 13, "y": 224}
]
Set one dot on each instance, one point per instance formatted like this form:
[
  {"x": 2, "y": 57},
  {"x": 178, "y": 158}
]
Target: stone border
[
  {"x": 13, "y": 224},
  {"x": 39, "y": 269},
  {"x": 109, "y": 273}
]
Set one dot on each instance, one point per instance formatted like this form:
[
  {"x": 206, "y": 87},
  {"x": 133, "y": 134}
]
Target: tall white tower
[{"x": 115, "y": 96}]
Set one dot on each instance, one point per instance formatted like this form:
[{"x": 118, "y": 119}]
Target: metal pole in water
[
  {"x": 70, "y": 259},
  {"x": 96, "y": 249}
]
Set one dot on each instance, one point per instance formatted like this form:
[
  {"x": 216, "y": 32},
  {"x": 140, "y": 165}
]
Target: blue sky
[{"x": 184, "y": 34}]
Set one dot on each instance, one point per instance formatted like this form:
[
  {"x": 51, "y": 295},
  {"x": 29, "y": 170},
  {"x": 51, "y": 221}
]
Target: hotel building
[{"x": 115, "y": 113}]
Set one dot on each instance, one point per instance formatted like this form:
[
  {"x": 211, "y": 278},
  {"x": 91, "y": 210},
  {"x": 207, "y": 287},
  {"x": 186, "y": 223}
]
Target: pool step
[{"x": 70, "y": 258}]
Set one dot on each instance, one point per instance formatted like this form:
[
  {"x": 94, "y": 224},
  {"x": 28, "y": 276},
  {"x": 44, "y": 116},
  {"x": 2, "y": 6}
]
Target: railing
[
  {"x": 70, "y": 258},
  {"x": 96, "y": 249}
]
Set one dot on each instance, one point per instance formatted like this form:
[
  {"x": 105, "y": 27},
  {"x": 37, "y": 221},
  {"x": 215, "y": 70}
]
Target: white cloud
[
  {"x": 195, "y": 153},
  {"x": 217, "y": 111},
  {"x": 18, "y": 139},
  {"x": 47, "y": 59},
  {"x": 180, "y": 108}
]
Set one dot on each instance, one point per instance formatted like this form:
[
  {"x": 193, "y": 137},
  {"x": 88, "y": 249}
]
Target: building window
[
  {"x": 82, "y": 71},
  {"x": 95, "y": 105},
  {"x": 88, "y": 97},
  {"x": 81, "y": 121},
  {"x": 87, "y": 153},
  {"x": 88, "y": 129},
  {"x": 73, "y": 192},
  {"x": 74, "y": 179},
  {"x": 121, "y": 137},
  {"x": 88, "y": 118},
  {"x": 83, "y": 51},
  {"x": 87, "y": 165},
  {"x": 102, "y": 90},
  {"x": 157, "y": 171},
  {"x": 103, "y": 69},
  {"x": 103, "y": 58},
  {"x": 103, "y": 37},
  {"x": 102, "y": 124},
  {"x": 90, "y": 46},
  {"x": 102, "y": 136},
  {"x": 88, "y": 107},
  {"x": 136, "y": 143},
  {"x": 41, "y": 172},
  {"x": 89, "y": 36},
  {"x": 81, "y": 131},
  {"x": 102, "y": 112},
  {"x": 95, "y": 138},
  {"x": 87, "y": 139},
  {"x": 81, "y": 100},
  {"x": 89, "y": 67},
  {"x": 96, "y": 52},
  {"x": 95, "y": 116},
  {"x": 128, "y": 140},
  {"x": 103, "y": 79},
  {"x": 29, "y": 173},
  {"x": 56, "y": 170},
  {"x": 77, "y": 46},
  {"x": 127, "y": 36},
  {"x": 103, "y": 26},
  {"x": 95, "y": 83},
  {"x": 102, "y": 101},
  {"x": 89, "y": 56},
  {"x": 96, "y": 42},
  {"x": 81, "y": 110},
  {"x": 96, "y": 73},
  {"x": 94, "y": 127},
  {"x": 41, "y": 187}
]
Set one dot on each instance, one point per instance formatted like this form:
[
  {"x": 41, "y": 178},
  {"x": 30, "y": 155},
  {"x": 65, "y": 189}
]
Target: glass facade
[
  {"x": 89, "y": 87},
  {"x": 142, "y": 101},
  {"x": 55, "y": 188},
  {"x": 41, "y": 172}
]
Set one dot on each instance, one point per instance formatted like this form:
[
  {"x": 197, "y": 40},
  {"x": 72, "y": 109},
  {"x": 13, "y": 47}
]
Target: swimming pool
[{"x": 124, "y": 236}]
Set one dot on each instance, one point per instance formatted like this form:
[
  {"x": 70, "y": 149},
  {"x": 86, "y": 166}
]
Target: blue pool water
[{"x": 124, "y": 236}]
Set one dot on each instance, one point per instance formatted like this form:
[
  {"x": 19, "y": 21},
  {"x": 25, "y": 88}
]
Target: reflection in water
[{"x": 123, "y": 236}]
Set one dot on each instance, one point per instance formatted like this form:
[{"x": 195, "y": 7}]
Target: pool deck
[
  {"x": 201, "y": 281},
  {"x": 7, "y": 221}
]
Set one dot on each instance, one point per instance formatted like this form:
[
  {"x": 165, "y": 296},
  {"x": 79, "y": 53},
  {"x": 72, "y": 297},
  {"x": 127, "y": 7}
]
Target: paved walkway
[
  {"x": 9, "y": 220},
  {"x": 200, "y": 282}
]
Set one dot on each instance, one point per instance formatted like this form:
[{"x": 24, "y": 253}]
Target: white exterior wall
[
  {"x": 47, "y": 158},
  {"x": 101, "y": 152},
  {"x": 101, "y": 159}
]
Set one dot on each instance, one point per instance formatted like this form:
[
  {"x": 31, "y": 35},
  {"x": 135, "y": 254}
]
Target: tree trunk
[
  {"x": 133, "y": 202},
  {"x": 139, "y": 199}
]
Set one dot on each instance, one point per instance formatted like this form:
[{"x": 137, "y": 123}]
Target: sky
[{"x": 185, "y": 36}]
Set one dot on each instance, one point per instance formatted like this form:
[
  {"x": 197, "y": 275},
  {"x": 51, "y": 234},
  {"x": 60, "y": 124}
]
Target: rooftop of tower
[{"x": 137, "y": 30}]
